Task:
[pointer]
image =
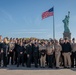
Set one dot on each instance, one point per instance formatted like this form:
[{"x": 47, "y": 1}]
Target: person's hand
[
  {"x": 21, "y": 52},
  {"x": 28, "y": 55},
  {"x": 1, "y": 51},
  {"x": 70, "y": 53},
  {"x": 63, "y": 54},
  {"x": 10, "y": 50}
]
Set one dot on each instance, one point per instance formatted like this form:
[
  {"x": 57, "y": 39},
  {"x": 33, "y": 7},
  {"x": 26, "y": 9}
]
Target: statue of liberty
[{"x": 66, "y": 22}]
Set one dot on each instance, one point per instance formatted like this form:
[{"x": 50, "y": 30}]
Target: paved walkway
[{"x": 13, "y": 70}]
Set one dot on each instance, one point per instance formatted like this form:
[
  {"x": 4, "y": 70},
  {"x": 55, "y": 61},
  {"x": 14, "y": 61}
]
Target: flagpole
[
  {"x": 53, "y": 25},
  {"x": 47, "y": 14}
]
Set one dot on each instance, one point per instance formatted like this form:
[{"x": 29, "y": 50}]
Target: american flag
[{"x": 48, "y": 13}]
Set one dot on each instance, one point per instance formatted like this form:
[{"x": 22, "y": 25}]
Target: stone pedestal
[{"x": 67, "y": 34}]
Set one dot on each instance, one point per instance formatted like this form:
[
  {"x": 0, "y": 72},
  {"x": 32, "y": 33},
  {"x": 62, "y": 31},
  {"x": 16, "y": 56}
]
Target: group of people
[{"x": 41, "y": 53}]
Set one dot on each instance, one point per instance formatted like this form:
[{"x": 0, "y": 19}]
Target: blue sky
[{"x": 22, "y": 18}]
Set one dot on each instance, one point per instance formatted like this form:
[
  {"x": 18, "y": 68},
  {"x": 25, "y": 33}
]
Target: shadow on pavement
[
  {"x": 73, "y": 69},
  {"x": 14, "y": 67}
]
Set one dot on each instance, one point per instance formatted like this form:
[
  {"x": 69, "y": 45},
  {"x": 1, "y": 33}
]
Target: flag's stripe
[{"x": 47, "y": 14}]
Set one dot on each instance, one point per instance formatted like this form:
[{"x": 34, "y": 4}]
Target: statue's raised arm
[{"x": 68, "y": 13}]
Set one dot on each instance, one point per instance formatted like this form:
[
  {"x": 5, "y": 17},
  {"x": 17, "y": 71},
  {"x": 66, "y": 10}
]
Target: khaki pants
[
  {"x": 67, "y": 59},
  {"x": 42, "y": 60},
  {"x": 57, "y": 58}
]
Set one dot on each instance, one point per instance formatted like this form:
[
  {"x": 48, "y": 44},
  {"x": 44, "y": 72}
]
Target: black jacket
[
  {"x": 20, "y": 49},
  {"x": 66, "y": 47},
  {"x": 36, "y": 51},
  {"x": 29, "y": 49},
  {"x": 16, "y": 47},
  {"x": 5, "y": 48},
  {"x": 0, "y": 46}
]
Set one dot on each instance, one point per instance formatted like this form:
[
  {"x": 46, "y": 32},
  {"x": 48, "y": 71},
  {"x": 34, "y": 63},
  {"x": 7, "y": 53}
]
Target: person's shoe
[
  {"x": 6, "y": 66},
  {"x": 49, "y": 67},
  {"x": 57, "y": 67},
  {"x": 72, "y": 66},
  {"x": 65, "y": 67},
  {"x": 36, "y": 66},
  {"x": 17, "y": 65},
  {"x": 29, "y": 66},
  {"x": 11, "y": 63},
  {"x": 68, "y": 67},
  {"x": 43, "y": 67},
  {"x": 23, "y": 65}
]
